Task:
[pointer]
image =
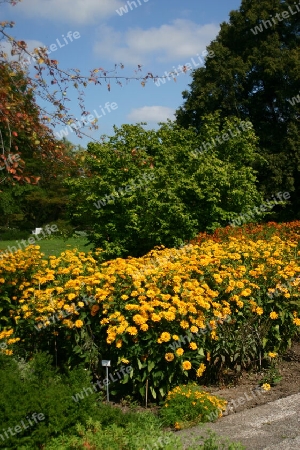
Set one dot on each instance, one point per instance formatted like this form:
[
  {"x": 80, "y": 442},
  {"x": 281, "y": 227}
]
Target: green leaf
[
  {"x": 162, "y": 391},
  {"x": 152, "y": 391},
  {"x": 140, "y": 364},
  {"x": 151, "y": 365},
  {"x": 142, "y": 391}
]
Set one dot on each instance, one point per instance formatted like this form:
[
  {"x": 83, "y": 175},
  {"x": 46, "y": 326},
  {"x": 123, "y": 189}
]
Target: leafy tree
[
  {"x": 255, "y": 76},
  {"x": 189, "y": 191}
]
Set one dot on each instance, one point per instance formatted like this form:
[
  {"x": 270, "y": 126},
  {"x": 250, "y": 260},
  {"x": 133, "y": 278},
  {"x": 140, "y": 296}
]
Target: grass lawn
[{"x": 53, "y": 246}]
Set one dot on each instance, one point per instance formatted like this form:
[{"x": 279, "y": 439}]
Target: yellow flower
[
  {"x": 179, "y": 351},
  {"x": 177, "y": 426},
  {"x": 186, "y": 365},
  {"x": 193, "y": 346},
  {"x": 266, "y": 387},
  {"x": 139, "y": 319},
  {"x": 132, "y": 330},
  {"x": 245, "y": 292},
  {"x": 78, "y": 323},
  {"x": 104, "y": 321},
  {"x": 296, "y": 321},
  {"x": 119, "y": 343},
  {"x": 200, "y": 370},
  {"x": 208, "y": 356},
  {"x": 194, "y": 329},
  {"x": 214, "y": 336},
  {"x": 12, "y": 341},
  {"x": 124, "y": 297},
  {"x": 273, "y": 315},
  {"x": 168, "y": 315},
  {"x": 155, "y": 317},
  {"x": 8, "y": 352},
  {"x": 144, "y": 327},
  {"x": 176, "y": 279},
  {"x": 272, "y": 354},
  {"x": 259, "y": 311},
  {"x": 125, "y": 361},
  {"x": 71, "y": 296},
  {"x": 169, "y": 357},
  {"x": 165, "y": 337},
  {"x": 80, "y": 304},
  {"x": 184, "y": 324},
  {"x": 175, "y": 337}
]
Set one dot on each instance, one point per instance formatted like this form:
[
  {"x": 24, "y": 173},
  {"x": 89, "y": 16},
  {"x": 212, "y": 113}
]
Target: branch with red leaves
[{"x": 50, "y": 83}]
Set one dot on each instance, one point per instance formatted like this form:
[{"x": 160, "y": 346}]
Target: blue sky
[{"x": 157, "y": 34}]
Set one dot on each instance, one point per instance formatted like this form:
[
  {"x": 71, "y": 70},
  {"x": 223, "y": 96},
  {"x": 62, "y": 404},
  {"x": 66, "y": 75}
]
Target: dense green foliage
[
  {"x": 255, "y": 76},
  {"x": 29, "y": 387},
  {"x": 183, "y": 192},
  {"x": 35, "y": 386}
]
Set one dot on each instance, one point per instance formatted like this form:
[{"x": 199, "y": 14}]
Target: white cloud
[
  {"x": 81, "y": 12},
  {"x": 151, "y": 114},
  {"x": 168, "y": 43}
]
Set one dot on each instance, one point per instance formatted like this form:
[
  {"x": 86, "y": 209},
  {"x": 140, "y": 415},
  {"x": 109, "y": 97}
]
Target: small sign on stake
[{"x": 106, "y": 363}]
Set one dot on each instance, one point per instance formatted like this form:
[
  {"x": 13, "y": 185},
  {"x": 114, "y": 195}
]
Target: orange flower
[{"x": 94, "y": 310}]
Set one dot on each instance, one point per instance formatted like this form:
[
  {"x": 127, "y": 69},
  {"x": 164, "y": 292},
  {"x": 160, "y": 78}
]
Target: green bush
[
  {"x": 13, "y": 234},
  {"x": 187, "y": 405},
  {"x": 149, "y": 188},
  {"x": 65, "y": 229},
  {"x": 36, "y": 387}
]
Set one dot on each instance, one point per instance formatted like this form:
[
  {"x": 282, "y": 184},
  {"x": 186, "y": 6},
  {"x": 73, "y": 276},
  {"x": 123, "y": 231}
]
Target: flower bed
[{"x": 174, "y": 315}]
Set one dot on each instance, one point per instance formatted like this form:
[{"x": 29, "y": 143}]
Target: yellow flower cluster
[
  {"x": 196, "y": 397},
  {"x": 158, "y": 300},
  {"x": 200, "y": 370}
]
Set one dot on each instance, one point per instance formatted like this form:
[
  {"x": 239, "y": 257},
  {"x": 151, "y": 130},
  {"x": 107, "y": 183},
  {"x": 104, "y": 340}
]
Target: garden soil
[
  {"x": 289, "y": 369},
  {"x": 259, "y": 421}
]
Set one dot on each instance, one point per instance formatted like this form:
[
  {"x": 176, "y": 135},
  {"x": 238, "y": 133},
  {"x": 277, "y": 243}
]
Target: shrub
[
  {"x": 36, "y": 387},
  {"x": 147, "y": 187},
  {"x": 65, "y": 229},
  {"x": 187, "y": 405},
  {"x": 13, "y": 234}
]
